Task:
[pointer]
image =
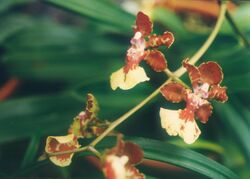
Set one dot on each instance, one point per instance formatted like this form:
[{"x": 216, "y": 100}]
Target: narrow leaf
[{"x": 100, "y": 10}]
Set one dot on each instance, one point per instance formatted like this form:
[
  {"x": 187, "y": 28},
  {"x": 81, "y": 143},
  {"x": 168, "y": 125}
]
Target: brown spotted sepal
[
  {"x": 174, "y": 92},
  {"x": 61, "y": 144},
  {"x": 92, "y": 107},
  {"x": 143, "y": 24},
  {"x": 119, "y": 162},
  {"x": 218, "y": 93},
  {"x": 205, "y": 80},
  {"x": 86, "y": 124},
  {"x": 156, "y": 60},
  {"x": 166, "y": 39}
]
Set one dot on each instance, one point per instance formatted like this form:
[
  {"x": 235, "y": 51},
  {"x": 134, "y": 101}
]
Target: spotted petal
[
  {"x": 133, "y": 173},
  {"x": 167, "y": 39},
  {"x": 170, "y": 121},
  {"x": 189, "y": 131},
  {"x": 204, "y": 112},
  {"x": 211, "y": 73},
  {"x": 219, "y": 93},
  {"x": 119, "y": 161},
  {"x": 117, "y": 167},
  {"x": 174, "y": 92},
  {"x": 92, "y": 107},
  {"x": 193, "y": 73},
  {"x": 134, "y": 152},
  {"x": 143, "y": 24},
  {"x": 130, "y": 149},
  {"x": 156, "y": 60},
  {"x": 129, "y": 80},
  {"x": 114, "y": 167},
  {"x": 61, "y": 144},
  {"x": 174, "y": 125}
]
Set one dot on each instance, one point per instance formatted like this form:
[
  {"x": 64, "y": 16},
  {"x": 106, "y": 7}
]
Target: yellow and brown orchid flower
[
  {"x": 119, "y": 162},
  {"x": 205, "y": 81},
  {"x": 85, "y": 125},
  {"x": 143, "y": 47}
]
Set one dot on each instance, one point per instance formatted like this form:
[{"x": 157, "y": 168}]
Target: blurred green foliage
[{"x": 59, "y": 56}]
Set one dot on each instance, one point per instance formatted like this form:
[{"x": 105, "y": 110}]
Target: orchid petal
[
  {"x": 129, "y": 80},
  {"x": 204, "y": 112},
  {"x": 143, "y": 24},
  {"x": 114, "y": 167},
  {"x": 174, "y": 125},
  {"x": 211, "y": 73},
  {"x": 190, "y": 131},
  {"x": 170, "y": 121},
  {"x": 219, "y": 93},
  {"x": 193, "y": 73},
  {"x": 156, "y": 60},
  {"x": 166, "y": 39},
  {"x": 61, "y": 144},
  {"x": 174, "y": 92}
]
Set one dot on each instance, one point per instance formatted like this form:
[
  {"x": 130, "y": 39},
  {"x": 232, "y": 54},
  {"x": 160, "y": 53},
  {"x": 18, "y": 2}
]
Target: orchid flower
[
  {"x": 85, "y": 125},
  {"x": 118, "y": 162},
  {"x": 143, "y": 47},
  {"x": 205, "y": 81}
]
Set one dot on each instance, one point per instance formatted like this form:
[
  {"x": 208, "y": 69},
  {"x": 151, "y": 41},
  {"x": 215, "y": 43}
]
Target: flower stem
[
  {"x": 127, "y": 114},
  {"x": 237, "y": 30},
  {"x": 178, "y": 73},
  {"x": 68, "y": 151},
  {"x": 175, "y": 78},
  {"x": 85, "y": 148},
  {"x": 208, "y": 42}
]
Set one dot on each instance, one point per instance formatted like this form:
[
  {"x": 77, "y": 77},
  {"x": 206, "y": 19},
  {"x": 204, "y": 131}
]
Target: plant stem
[
  {"x": 208, "y": 42},
  {"x": 93, "y": 150},
  {"x": 68, "y": 151},
  {"x": 178, "y": 73},
  {"x": 127, "y": 114},
  {"x": 237, "y": 30},
  {"x": 175, "y": 78},
  {"x": 85, "y": 148}
]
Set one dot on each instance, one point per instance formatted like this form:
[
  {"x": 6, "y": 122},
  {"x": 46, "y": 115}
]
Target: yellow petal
[
  {"x": 170, "y": 121},
  {"x": 186, "y": 129},
  {"x": 190, "y": 132},
  {"x": 117, "y": 165},
  {"x": 128, "y": 81},
  {"x": 61, "y": 144}
]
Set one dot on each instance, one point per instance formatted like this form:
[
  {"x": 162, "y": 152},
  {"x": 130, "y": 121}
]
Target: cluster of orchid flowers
[
  {"x": 205, "y": 81},
  {"x": 85, "y": 125},
  {"x": 119, "y": 162}
]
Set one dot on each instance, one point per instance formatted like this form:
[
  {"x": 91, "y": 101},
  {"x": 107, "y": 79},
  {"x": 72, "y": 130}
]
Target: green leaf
[
  {"x": 185, "y": 158},
  {"x": 22, "y": 118},
  {"x": 238, "y": 83},
  {"x": 31, "y": 151},
  {"x": 61, "y": 53},
  {"x": 241, "y": 15},
  {"x": 200, "y": 144},
  {"x": 236, "y": 125},
  {"x": 11, "y": 25},
  {"x": 53, "y": 114},
  {"x": 5, "y": 5},
  {"x": 170, "y": 20},
  {"x": 100, "y": 10}
]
